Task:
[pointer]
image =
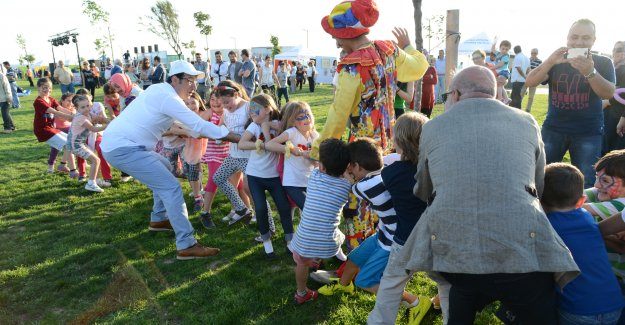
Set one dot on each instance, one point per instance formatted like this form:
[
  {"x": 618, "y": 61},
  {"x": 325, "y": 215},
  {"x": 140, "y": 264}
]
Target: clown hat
[{"x": 350, "y": 19}]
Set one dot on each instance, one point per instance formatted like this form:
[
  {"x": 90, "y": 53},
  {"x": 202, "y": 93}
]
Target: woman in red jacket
[{"x": 430, "y": 79}]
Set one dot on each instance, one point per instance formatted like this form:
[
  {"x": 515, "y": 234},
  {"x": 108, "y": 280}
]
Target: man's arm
[
  {"x": 602, "y": 87},
  {"x": 541, "y": 73},
  {"x": 411, "y": 64}
]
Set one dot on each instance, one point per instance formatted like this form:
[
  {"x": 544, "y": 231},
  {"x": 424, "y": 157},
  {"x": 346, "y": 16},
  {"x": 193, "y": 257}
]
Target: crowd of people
[{"x": 477, "y": 197}]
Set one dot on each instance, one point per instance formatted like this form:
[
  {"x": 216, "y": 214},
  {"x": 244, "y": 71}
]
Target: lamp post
[
  {"x": 235, "y": 42},
  {"x": 306, "y": 30}
]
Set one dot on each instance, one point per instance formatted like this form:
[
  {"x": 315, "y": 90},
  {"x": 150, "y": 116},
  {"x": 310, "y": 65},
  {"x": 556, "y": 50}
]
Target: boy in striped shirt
[{"x": 367, "y": 262}]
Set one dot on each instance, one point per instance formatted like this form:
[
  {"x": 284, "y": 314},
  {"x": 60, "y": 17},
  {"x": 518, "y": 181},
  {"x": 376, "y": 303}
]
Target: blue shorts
[{"x": 371, "y": 259}]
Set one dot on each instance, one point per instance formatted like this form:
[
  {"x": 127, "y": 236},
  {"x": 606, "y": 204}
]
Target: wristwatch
[{"x": 592, "y": 74}]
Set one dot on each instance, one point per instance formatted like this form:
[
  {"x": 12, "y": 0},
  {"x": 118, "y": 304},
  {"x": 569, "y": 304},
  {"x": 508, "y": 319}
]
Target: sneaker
[
  {"x": 309, "y": 296},
  {"x": 228, "y": 217},
  {"x": 103, "y": 183},
  {"x": 50, "y": 169},
  {"x": 207, "y": 220},
  {"x": 238, "y": 217},
  {"x": 196, "y": 251},
  {"x": 258, "y": 239},
  {"x": 82, "y": 178},
  {"x": 323, "y": 276},
  {"x": 198, "y": 204},
  {"x": 253, "y": 219},
  {"x": 160, "y": 226},
  {"x": 93, "y": 188},
  {"x": 336, "y": 287},
  {"x": 416, "y": 313},
  {"x": 62, "y": 168},
  {"x": 126, "y": 179},
  {"x": 73, "y": 174},
  {"x": 9, "y": 131}
]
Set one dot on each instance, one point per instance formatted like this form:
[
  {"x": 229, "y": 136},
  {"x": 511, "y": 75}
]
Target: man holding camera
[{"x": 578, "y": 81}]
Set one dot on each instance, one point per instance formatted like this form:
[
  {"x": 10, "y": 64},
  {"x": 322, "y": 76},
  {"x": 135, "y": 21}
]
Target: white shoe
[
  {"x": 126, "y": 179},
  {"x": 93, "y": 188},
  {"x": 103, "y": 183},
  {"x": 51, "y": 169},
  {"x": 228, "y": 217}
]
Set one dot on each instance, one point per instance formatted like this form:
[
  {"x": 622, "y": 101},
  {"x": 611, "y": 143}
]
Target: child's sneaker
[
  {"x": 73, "y": 174},
  {"x": 103, "y": 183},
  {"x": 93, "y": 187},
  {"x": 244, "y": 215},
  {"x": 416, "y": 313},
  {"x": 82, "y": 178},
  {"x": 50, "y": 169},
  {"x": 198, "y": 204},
  {"x": 309, "y": 296},
  {"x": 228, "y": 217},
  {"x": 323, "y": 276},
  {"x": 207, "y": 220},
  {"x": 62, "y": 168},
  {"x": 336, "y": 287},
  {"x": 126, "y": 179}
]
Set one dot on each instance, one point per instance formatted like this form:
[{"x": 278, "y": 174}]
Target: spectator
[
  {"x": 117, "y": 68},
  {"x": 160, "y": 73},
  {"x": 234, "y": 68},
  {"x": 127, "y": 57},
  {"x": 247, "y": 73},
  {"x": 5, "y": 98},
  {"x": 430, "y": 79},
  {"x": 88, "y": 77},
  {"x": 502, "y": 58},
  {"x": 64, "y": 77},
  {"x": 29, "y": 75},
  {"x": 518, "y": 250},
  {"x": 293, "y": 75},
  {"x": 203, "y": 66},
  {"x": 107, "y": 69},
  {"x": 219, "y": 69},
  {"x": 531, "y": 91},
  {"x": 146, "y": 70},
  {"x": 574, "y": 120},
  {"x": 615, "y": 110},
  {"x": 479, "y": 58},
  {"x": 440, "y": 66},
  {"x": 130, "y": 71},
  {"x": 282, "y": 76},
  {"x": 10, "y": 75},
  {"x": 268, "y": 78},
  {"x": 312, "y": 74},
  {"x": 519, "y": 72},
  {"x": 96, "y": 73}
]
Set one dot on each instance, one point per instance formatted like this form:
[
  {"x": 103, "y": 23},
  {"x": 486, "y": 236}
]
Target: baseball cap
[{"x": 181, "y": 66}]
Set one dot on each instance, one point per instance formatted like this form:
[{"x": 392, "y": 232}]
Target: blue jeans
[
  {"x": 153, "y": 170},
  {"x": 16, "y": 100},
  {"x": 258, "y": 186},
  {"x": 440, "y": 87},
  {"x": 67, "y": 88},
  {"x": 609, "y": 318},
  {"x": 297, "y": 194},
  {"x": 584, "y": 151}
]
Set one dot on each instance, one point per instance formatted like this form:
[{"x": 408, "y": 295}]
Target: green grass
[{"x": 70, "y": 256}]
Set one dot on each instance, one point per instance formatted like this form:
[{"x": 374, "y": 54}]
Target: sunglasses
[
  {"x": 303, "y": 118},
  {"x": 444, "y": 96}
]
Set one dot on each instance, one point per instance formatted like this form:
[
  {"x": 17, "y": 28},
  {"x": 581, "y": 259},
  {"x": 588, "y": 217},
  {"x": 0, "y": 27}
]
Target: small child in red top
[
  {"x": 62, "y": 124},
  {"x": 111, "y": 100},
  {"x": 46, "y": 108}
]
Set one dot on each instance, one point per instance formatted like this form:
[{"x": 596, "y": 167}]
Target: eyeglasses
[
  {"x": 303, "y": 117},
  {"x": 444, "y": 96},
  {"x": 191, "y": 81}
]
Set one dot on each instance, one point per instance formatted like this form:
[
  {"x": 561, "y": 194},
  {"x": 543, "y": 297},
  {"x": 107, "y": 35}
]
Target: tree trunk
[{"x": 419, "y": 45}]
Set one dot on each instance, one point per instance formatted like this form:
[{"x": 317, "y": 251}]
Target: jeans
[
  {"x": 517, "y": 95},
  {"x": 440, "y": 87},
  {"x": 250, "y": 91},
  {"x": 258, "y": 186},
  {"x": 530, "y": 296},
  {"x": 153, "y": 170},
  {"x": 283, "y": 92},
  {"x": 311, "y": 84},
  {"x": 16, "y": 100},
  {"x": 297, "y": 194},
  {"x": 609, "y": 318},
  {"x": 7, "y": 120},
  {"x": 584, "y": 151},
  {"x": 67, "y": 88}
]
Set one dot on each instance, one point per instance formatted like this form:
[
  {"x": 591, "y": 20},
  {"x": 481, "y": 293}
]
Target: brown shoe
[
  {"x": 160, "y": 226},
  {"x": 196, "y": 251}
]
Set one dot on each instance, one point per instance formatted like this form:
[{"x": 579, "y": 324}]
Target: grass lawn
[{"x": 67, "y": 255}]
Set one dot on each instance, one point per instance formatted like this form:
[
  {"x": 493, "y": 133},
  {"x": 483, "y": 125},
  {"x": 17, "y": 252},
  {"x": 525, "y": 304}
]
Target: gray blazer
[
  {"x": 481, "y": 170},
  {"x": 237, "y": 67}
]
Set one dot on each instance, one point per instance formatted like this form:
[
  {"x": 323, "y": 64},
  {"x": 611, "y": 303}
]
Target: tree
[
  {"x": 21, "y": 43},
  {"x": 419, "y": 44},
  {"x": 100, "y": 46},
  {"x": 29, "y": 58},
  {"x": 201, "y": 22},
  {"x": 276, "y": 49},
  {"x": 190, "y": 46},
  {"x": 435, "y": 29},
  {"x": 164, "y": 23},
  {"x": 98, "y": 17}
]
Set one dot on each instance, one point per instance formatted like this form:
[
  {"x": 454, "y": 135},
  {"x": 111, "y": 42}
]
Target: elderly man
[
  {"x": 531, "y": 91},
  {"x": 128, "y": 144},
  {"x": 577, "y": 85},
  {"x": 481, "y": 168},
  {"x": 202, "y": 66},
  {"x": 64, "y": 77}
]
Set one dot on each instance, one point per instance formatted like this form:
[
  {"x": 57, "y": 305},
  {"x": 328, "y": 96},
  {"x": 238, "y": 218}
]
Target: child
[
  {"x": 502, "y": 58},
  {"x": 370, "y": 257},
  {"x": 399, "y": 181},
  {"x": 193, "y": 151},
  {"x": 236, "y": 113},
  {"x": 595, "y": 293},
  {"x": 317, "y": 235},
  {"x": 607, "y": 197},
  {"x": 216, "y": 152},
  {"x": 46, "y": 108},
  {"x": 299, "y": 135},
  {"x": 111, "y": 100},
  {"x": 173, "y": 143},
  {"x": 261, "y": 171},
  {"x": 62, "y": 124},
  {"x": 77, "y": 139},
  {"x": 502, "y": 80}
]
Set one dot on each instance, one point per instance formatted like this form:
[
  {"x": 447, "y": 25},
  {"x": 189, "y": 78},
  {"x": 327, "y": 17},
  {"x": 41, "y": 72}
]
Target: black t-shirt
[
  {"x": 89, "y": 77},
  {"x": 617, "y": 108},
  {"x": 399, "y": 181}
]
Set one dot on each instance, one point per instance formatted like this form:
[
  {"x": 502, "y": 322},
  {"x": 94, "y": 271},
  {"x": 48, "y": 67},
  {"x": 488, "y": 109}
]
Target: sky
[{"x": 536, "y": 24}]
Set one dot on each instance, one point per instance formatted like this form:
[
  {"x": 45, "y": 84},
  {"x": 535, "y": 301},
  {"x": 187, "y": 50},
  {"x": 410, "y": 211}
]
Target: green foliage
[
  {"x": 99, "y": 17},
  {"x": 100, "y": 45},
  {"x": 164, "y": 23},
  {"x": 201, "y": 22},
  {"x": 434, "y": 28},
  {"x": 29, "y": 58},
  {"x": 275, "y": 49}
]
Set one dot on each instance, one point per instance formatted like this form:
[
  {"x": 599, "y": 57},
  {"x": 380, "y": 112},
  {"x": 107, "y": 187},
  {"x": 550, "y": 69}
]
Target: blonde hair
[
  {"x": 267, "y": 101},
  {"x": 290, "y": 112},
  {"x": 407, "y": 134}
]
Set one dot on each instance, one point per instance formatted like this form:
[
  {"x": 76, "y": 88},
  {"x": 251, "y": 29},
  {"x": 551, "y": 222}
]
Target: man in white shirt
[
  {"x": 219, "y": 69},
  {"x": 440, "y": 65},
  {"x": 201, "y": 66},
  {"x": 128, "y": 144},
  {"x": 519, "y": 72}
]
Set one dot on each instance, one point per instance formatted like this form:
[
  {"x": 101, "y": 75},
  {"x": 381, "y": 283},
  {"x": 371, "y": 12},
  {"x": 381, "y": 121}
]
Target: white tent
[
  {"x": 303, "y": 55},
  {"x": 480, "y": 41}
]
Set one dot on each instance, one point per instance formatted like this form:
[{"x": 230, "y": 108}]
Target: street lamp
[
  {"x": 235, "y": 42},
  {"x": 306, "y": 30}
]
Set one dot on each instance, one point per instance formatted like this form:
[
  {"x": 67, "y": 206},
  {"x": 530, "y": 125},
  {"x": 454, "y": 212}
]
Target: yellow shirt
[{"x": 64, "y": 75}]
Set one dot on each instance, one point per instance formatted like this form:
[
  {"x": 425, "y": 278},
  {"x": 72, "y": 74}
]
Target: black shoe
[
  {"x": 271, "y": 256},
  {"x": 207, "y": 220},
  {"x": 243, "y": 215}
]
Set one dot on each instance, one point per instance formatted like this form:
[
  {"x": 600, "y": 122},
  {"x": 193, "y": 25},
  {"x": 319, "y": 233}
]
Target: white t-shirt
[
  {"x": 521, "y": 61},
  {"x": 151, "y": 114},
  {"x": 267, "y": 75},
  {"x": 261, "y": 164},
  {"x": 297, "y": 169},
  {"x": 235, "y": 122}
]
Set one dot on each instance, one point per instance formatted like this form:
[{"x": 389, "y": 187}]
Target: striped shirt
[
  {"x": 534, "y": 63},
  {"x": 603, "y": 209},
  {"x": 216, "y": 152},
  {"x": 372, "y": 190},
  {"x": 318, "y": 234}
]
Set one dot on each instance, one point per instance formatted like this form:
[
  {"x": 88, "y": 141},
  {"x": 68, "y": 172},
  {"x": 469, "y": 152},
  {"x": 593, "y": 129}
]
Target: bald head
[{"x": 474, "y": 82}]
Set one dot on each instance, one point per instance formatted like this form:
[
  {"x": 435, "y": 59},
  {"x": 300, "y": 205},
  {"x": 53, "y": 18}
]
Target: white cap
[{"x": 182, "y": 66}]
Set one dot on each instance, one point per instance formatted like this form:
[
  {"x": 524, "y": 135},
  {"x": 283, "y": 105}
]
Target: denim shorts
[
  {"x": 608, "y": 318},
  {"x": 371, "y": 259}
]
